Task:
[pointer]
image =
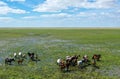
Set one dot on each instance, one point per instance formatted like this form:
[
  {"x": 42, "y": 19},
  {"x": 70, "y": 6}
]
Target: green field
[{"x": 51, "y": 44}]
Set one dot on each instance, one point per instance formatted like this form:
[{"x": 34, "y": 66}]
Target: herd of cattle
[
  {"x": 21, "y": 57},
  {"x": 63, "y": 64},
  {"x": 73, "y": 61}
]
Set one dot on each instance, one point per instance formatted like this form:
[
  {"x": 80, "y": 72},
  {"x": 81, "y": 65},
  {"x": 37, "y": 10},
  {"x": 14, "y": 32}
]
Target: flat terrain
[{"x": 51, "y": 44}]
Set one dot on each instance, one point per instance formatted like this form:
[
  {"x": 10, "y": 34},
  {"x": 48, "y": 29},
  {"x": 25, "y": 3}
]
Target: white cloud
[
  {"x": 67, "y": 15},
  {"x": 118, "y": 11},
  {"x": 6, "y": 19},
  {"x": 82, "y": 14},
  {"x": 17, "y": 0},
  {"x": 105, "y": 13},
  {"x": 58, "y": 5},
  {"x": 4, "y": 9},
  {"x": 18, "y": 11},
  {"x": 30, "y": 17},
  {"x": 60, "y": 15},
  {"x": 2, "y": 3},
  {"x": 86, "y": 14}
]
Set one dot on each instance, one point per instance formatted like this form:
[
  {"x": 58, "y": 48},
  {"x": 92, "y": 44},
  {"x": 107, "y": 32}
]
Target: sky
[{"x": 59, "y": 13}]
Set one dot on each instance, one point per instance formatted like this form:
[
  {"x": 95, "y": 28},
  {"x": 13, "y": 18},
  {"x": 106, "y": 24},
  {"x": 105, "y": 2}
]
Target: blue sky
[{"x": 59, "y": 13}]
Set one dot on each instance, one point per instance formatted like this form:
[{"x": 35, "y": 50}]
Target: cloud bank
[
  {"x": 58, "y": 5},
  {"x": 5, "y": 9}
]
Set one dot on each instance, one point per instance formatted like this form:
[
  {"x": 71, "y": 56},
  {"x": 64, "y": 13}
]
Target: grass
[{"x": 51, "y": 44}]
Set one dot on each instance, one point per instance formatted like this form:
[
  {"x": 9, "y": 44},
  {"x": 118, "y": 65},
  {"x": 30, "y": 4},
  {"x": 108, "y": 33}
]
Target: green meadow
[{"x": 54, "y": 43}]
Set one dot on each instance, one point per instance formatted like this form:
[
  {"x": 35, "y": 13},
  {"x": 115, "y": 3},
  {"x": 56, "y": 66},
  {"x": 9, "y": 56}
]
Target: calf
[{"x": 20, "y": 61}]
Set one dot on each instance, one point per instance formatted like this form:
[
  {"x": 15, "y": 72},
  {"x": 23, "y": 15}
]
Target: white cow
[
  {"x": 80, "y": 62},
  {"x": 68, "y": 57},
  {"x": 15, "y": 54},
  {"x": 59, "y": 61},
  {"x": 19, "y": 53}
]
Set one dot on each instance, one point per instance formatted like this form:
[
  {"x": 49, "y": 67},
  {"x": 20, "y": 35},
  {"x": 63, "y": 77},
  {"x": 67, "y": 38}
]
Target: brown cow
[{"x": 96, "y": 57}]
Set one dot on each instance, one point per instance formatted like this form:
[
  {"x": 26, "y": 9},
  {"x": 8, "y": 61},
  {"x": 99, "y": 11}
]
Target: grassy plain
[{"x": 51, "y": 44}]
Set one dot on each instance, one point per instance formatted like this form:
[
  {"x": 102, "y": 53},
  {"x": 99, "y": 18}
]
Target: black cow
[{"x": 9, "y": 60}]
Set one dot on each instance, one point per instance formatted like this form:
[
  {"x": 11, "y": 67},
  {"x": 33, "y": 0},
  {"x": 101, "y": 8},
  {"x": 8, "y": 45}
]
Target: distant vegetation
[{"x": 51, "y": 44}]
